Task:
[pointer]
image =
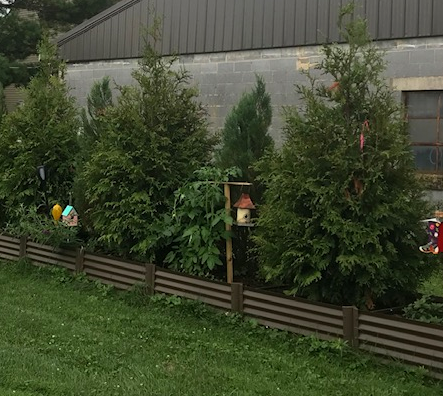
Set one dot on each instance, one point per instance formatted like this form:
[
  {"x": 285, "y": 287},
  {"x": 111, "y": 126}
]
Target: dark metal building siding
[{"x": 204, "y": 26}]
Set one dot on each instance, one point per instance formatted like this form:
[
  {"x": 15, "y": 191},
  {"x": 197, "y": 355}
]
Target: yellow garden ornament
[{"x": 56, "y": 212}]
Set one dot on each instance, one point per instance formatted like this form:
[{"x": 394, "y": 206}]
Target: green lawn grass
[{"x": 60, "y": 337}]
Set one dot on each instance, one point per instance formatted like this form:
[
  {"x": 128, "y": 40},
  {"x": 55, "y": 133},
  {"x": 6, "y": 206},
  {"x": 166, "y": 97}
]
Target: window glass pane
[
  {"x": 426, "y": 157},
  {"x": 424, "y": 131},
  {"x": 422, "y": 104}
]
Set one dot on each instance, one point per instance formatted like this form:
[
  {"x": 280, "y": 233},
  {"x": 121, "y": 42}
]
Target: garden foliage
[
  {"x": 197, "y": 223},
  {"x": 42, "y": 131},
  {"x": 156, "y": 136},
  {"x": 341, "y": 220},
  {"x": 41, "y": 229},
  {"x": 425, "y": 310}
]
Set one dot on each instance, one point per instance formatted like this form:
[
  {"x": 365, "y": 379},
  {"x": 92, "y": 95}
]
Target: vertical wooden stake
[
  {"x": 80, "y": 260},
  {"x": 150, "y": 278},
  {"x": 350, "y": 325},
  {"x": 23, "y": 243},
  {"x": 237, "y": 297},
  {"x": 229, "y": 259}
]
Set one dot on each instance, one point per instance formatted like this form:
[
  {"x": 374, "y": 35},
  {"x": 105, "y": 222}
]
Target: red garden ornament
[{"x": 435, "y": 237}]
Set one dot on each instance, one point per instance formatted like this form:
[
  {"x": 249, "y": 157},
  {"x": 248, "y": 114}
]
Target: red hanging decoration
[
  {"x": 335, "y": 85},
  {"x": 365, "y": 126}
]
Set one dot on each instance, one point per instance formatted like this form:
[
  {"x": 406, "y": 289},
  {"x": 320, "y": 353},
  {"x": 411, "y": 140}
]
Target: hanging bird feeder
[
  {"x": 244, "y": 206},
  {"x": 56, "y": 212}
]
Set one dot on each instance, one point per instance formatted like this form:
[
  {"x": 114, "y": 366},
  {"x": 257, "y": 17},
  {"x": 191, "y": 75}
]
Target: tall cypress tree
[
  {"x": 341, "y": 220},
  {"x": 94, "y": 124},
  {"x": 245, "y": 136}
]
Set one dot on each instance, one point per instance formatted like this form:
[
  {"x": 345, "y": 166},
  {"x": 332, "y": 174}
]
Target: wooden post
[
  {"x": 80, "y": 260},
  {"x": 237, "y": 297},
  {"x": 350, "y": 326},
  {"x": 23, "y": 243},
  {"x": 229, "y": 258},
  {"x": 150, "y": 278}
]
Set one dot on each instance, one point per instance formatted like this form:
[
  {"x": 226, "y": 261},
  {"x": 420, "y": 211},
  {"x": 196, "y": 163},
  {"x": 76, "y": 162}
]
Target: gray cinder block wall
[{"x": 223, "y": 77}]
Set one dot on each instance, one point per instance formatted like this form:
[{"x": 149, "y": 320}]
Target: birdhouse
[
  {"x": 70, "y": 216},
  {"x": 244, "y": 206}
]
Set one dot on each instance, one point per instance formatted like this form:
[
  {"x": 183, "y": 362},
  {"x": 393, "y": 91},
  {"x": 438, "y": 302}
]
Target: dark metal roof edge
[{"x": 96, "y": 20}]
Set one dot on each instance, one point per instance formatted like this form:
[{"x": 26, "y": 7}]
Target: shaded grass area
[{"x": 65, "y": 337}]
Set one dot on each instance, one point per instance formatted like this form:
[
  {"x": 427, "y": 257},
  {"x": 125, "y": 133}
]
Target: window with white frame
[{"x": 425, "y": 121}]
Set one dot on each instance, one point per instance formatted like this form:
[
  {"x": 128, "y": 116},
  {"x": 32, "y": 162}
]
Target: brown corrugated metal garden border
[{"x": 410, "y": 341}]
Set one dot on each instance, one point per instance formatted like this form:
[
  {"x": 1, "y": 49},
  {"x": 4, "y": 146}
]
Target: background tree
[
  {"x": 341, "y": 220},
  {"x": 156, "y": 136},
  {"x": 19, "y": 34},
  {"x": 18, "y": 39},
  {"x": 245, "y": 136},
  {"x": 43, "y": 131},
  {"x": 60, "y": 14}
]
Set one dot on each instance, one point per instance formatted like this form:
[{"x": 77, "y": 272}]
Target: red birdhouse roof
[{"x": 244, "y": 202}]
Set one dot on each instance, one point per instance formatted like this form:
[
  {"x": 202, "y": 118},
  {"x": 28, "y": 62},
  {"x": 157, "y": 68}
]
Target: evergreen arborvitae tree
[
  {"x": 341, "y": 220},
  {"x": 94, "y": 125},
  {"x": 42, "y": 131},
  {"x": 245, "y": 136},
  {"x": 156, "y": 136}
]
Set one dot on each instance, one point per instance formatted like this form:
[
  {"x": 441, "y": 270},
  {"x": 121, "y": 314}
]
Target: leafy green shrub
[
  {"x": 198, "y": 223},
  {"x": 425, "y": 310},
  {"x": 43, "y": 131},
  {"x": 155, "y": 137},
  {"x": 341, "y": 220},
  {"x": 40, "y": 228}
]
